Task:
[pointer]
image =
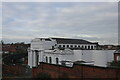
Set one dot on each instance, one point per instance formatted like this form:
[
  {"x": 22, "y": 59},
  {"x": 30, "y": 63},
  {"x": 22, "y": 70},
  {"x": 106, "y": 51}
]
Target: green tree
[{"x": 115, "y": 64}]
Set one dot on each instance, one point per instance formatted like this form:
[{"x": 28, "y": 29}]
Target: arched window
[
  {"x": 75, "y": 46},
  {"x": 67, "y": 46},
  {"x": 52, "y": 47},
  {"x": 85, "y": 47},
  {"x": 59, "y": 46},
  {"x": 63, "y": 45},
  {"x": 46, "y": 59},
  {"x": 91, "y": 47},
  {"x": 82, "y": 47},
  {"x": 50, "y": 60},
  {"x": 57, "y": 61}
]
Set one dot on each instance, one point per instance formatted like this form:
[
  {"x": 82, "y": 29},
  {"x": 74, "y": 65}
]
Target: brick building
[{"x": 117, "y": 55}]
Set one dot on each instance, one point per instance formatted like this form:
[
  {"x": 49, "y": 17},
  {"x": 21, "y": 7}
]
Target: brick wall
[
  {"x": 12, "y": 70},
  {"x": 77, "y": 71}
]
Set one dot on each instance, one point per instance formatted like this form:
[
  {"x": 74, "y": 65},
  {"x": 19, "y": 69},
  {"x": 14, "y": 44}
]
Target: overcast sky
[{"x": 92, "y": 21}]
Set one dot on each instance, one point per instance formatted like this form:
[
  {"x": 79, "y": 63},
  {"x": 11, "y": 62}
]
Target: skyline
[{"x": 92, "y": 21}]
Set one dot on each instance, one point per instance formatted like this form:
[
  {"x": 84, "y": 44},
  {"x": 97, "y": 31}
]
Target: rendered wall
[
  {"x": 38, "y": 44},
  {"x": 97, "y": 57}
]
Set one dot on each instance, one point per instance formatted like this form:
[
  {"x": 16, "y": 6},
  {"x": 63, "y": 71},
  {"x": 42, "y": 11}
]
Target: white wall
[
  {"x": 87, "y": 55},
  {"x": 110, "y": 55},
  {"x": 38, "y": 44},
  {"x": 59, "y": 56},
  {"x": 77, "y": 55},
  {"x": 101, "y": 57},
  {"x": 48, "y": 44}
]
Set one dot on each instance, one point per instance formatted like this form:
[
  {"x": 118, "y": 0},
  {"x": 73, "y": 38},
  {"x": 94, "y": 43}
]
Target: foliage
[
  {"x": 115, "y": 64},
  {"x": 43, "y": 75}
]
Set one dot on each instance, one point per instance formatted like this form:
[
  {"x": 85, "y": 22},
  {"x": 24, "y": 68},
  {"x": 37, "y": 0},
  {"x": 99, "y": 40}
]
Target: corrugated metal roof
[{"x": 72, "y": 41}]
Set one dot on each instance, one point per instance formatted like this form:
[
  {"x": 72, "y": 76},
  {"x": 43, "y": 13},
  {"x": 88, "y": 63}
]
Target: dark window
[
  {"x": 55, "y": 44},
  {"x": 46, "y": 59},
  {"x": 75, "y": 45},
  {"x": 91, "y": 47},
  {"x": 85, "y": 47},
  {"x": 79, "y": 46},
  {"x": 63, "y": 45},
  {"x": 47, "y": 40},
  {"x": 50, "y": 60},
  {"x": 52, "y": 47},
  {"x": 82, "y": 47},
  {"x": 59, "y": 45},
  {"x": 57, "y": 61},
  {"x": 71, "y": 46},
  {"x": 94, "y": 46},
  {"x": 63, "y": 63},
  {"x": 67, "y": 46}
]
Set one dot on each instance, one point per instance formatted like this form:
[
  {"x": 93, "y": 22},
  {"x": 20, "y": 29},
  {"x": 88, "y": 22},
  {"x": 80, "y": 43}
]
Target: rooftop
[{"x": 72, "y": 41}]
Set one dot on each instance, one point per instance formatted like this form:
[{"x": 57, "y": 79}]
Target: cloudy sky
[{"x": 92, "y": 21}]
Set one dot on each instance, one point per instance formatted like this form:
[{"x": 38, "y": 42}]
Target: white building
[{"x": 64, "y": 51}]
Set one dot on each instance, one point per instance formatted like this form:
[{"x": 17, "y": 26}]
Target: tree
[
  {"x": 115, "y": 64},
  {"x": 2, "y": 42}
]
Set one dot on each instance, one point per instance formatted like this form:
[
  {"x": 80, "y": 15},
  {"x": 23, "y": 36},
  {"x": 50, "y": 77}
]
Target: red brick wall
[
  {"x": 12, "y": 69},
  {"x": 77, "y": 71}
]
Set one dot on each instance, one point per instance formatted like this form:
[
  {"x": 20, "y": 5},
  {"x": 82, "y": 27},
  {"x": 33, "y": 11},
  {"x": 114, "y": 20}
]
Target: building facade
[
  {"x": 117, "y": 55},
  {"x": 64, "y": 51}
]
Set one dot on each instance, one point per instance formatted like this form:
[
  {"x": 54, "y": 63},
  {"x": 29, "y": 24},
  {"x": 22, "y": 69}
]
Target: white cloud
[
  {"x": 91, "y": 21},
  {"x": 60, "y": 0}
]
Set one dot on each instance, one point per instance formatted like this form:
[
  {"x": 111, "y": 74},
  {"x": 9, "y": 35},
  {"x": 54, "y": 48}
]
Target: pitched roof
[
  {"x": 72, "y": 41},
  {"x": 117, "y": 51}
]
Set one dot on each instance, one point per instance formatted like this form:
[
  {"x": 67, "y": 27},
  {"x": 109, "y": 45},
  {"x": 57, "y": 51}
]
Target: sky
[{"x": 92, "y": 21}]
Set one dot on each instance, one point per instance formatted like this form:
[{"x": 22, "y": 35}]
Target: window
[
  {"x": 91, "y": 47},
  {"x": 67, "y": 46},
  {"x": 63, "y": 45},
  {"x": 94, "y": 47},
  {"x": 71, "y": 46},
  {"x": 85, "y": 47},
  {"x": 79, "y": 46},
  {"x": 118, "y": 58},
  {"x": 50, "y": 60},
  {"x": 46, "y": 59},
  {"x": 63, "y": 63},
  {"x": 59, "y": 45},
  {"x": 55, "y": 44},
  {"x": 88, "y": 47},
  {"x": 82, "y": 47},
  {"x": 52, "y": 47},
  {"x": 75, "y": 45},
  {"x": 57, "y": 61}
]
